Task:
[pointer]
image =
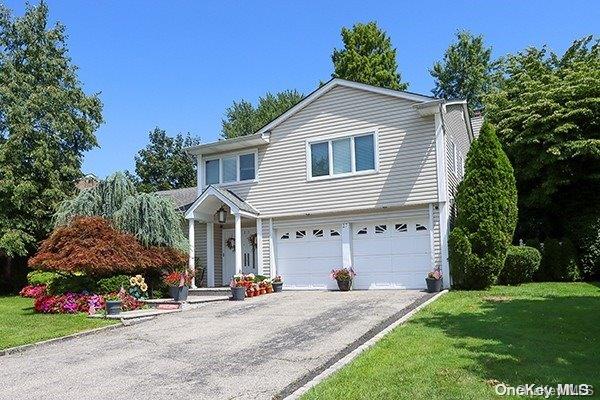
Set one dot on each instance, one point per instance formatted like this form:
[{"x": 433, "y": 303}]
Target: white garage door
[
  {"x": 306, "y": 255},
  {"x": 391, "y": 253}
]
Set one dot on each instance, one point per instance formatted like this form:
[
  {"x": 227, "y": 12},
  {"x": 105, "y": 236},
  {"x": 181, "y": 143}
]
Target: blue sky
[{"x": 179, "y": 64}]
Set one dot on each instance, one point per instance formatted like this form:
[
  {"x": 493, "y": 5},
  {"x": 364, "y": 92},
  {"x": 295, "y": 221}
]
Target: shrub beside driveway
[
  {"x": 464, "y": 343},
  {"x": 20, "y": 324}
]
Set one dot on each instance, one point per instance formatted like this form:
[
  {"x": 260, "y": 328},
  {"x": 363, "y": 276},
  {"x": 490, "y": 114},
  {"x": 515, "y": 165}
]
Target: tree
[
  {"x": 547, "y": 110},
  {"x": 151, "y": 218},
  {"x": 92, "y": 246},
  {"x": 163, "y": 165},
  {"x": 242, "y": 118},
  {"x": 47, "y": 122},
  {"x": 367, "y": 57},
  {"x": 486, "y": 203},
  {"x": 466, "y": 71}
]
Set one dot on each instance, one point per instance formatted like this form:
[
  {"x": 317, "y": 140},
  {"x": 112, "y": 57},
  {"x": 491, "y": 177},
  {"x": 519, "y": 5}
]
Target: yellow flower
[
  {"x": 144, "y": 287},
  {"x": 132, "y": 281}
]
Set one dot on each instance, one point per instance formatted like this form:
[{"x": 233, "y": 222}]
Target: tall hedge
[{"x": 486, "y": 204}]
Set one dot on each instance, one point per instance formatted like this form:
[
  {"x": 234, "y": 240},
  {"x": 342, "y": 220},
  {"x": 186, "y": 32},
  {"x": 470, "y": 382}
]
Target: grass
[
  {"x": 465, "y": 342},
  {"x": 19, "y": 324}
]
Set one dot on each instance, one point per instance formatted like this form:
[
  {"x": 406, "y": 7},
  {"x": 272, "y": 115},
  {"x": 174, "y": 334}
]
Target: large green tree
[
  {"x": 547, "y": 110},
  {"x": 242, "y": 118},
  {"x": 47, "y": 122},
  {"x": 367, "y": 57},
  {"x": 163, "y": 164},
  {"x": 466, "y": 71},
  {"x": 486, "y": 204}
]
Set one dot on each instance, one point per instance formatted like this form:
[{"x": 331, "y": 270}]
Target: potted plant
[
  {"x": 238, "y": 287},
  {"x": 344, "y": 277},
  {"x": 179, "y": 284},
  {"x": 113, "y": 304},
  {"x": 434, "y": 281},
  {"x": 277, "y": 283}
]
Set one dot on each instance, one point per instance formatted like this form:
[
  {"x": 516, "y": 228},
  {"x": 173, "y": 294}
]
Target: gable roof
[
  {"x": 228, "y": 197},
  {"x": 335, "y": 82}
]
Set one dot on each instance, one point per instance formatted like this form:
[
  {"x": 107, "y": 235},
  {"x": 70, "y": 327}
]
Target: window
[
  {"x": 401, "y": 228},
  {"x": 380, "y": 228},
  {"x": 285, "y": 236},
  {"x": 318, "y": 232},
  {"x": 452, "y": 157},
  {"x": 247, "y": 167},
  {"x": 230, "y": 169},
  {"x": 300, "y": 234},
  {"x": 362, "y": 231},
  {"x": 342, "y": 156},
  {"x": 334, "y": 232},
  {"x": 421, "y": 227},
  {"x": 319, "y": 156},
  {"x": 212, "y": 172}
]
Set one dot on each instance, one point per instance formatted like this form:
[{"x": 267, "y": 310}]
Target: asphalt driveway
[{"x": 227, "y": 350}]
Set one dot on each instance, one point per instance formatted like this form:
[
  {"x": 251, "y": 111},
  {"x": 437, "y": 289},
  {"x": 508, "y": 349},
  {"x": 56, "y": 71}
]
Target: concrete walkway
[{"x": 244, "y": 350}]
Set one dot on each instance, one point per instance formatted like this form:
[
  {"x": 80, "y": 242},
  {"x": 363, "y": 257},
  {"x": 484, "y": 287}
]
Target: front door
[{"x": 249, "y": 256}]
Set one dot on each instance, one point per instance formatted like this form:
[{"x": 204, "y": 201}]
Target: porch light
[{"x": 222, "y": 215}]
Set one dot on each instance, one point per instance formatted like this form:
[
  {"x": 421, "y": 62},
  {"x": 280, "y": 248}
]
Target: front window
[
  {"x": 230, "y": 169},
  {"x": 343, "y": 156}
]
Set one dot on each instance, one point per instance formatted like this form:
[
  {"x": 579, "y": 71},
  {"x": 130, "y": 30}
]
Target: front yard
[
  {"x": 461, "y": 345},
  {"x": 19, "y": 324}
]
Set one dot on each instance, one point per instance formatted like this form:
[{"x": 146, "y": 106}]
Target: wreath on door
[
  {"x": 230, "y": 243},
  {"x": 252, "y": 240}
]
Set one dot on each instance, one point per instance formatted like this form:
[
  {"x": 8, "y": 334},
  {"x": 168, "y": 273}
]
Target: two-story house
[{"x": 353, "y": 175}]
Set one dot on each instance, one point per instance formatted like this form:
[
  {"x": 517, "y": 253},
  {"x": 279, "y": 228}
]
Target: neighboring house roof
[
  {"x": 262, "y": 136},
  {"x": 476, "y": 122},
  {"x": 182, "y": 198},
  {"x": 87, "y": 181}
]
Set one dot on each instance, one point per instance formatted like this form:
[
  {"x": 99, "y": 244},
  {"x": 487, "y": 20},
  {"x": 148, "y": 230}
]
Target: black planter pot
[
  {"x": 433, "y": 285},
  {"x": 344, "y": 286},
  {"x": 113, "y": 307},
  {"x": 238, "y": 293},
  {"x": 182, "y": 293},
  {"x": 277, "y": 287},
  {"x": 173, "y": 291}
]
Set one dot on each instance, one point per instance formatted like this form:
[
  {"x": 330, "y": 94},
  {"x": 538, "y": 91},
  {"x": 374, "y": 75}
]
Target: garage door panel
[
  {"x": 373, "y": 264},
  {"x": 370, "y": 246}
]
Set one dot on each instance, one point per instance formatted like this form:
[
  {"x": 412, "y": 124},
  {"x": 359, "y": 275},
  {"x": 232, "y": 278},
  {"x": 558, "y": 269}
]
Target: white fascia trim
[
  {"x": 233, "y": 144},
  {"x": 340, "y": 82},
  {"x": 210, "y": 192}
]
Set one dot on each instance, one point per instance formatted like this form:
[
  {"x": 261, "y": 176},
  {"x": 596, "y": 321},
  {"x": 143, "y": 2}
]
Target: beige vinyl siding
[
  {"x": 199, "y": 246},
  {"x": 218, "y": 239},
  {"x": 266, "y": 254},
  {"x": 406, "y": 145},
  {"x": 456, "y": 132}
]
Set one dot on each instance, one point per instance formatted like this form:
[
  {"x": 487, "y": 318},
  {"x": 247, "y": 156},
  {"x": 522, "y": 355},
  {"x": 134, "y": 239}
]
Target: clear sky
[{"x": 179, "y": 64}]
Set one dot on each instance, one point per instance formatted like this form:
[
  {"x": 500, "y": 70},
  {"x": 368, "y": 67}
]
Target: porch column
[
  {"x": 238, "y": 243},
  {"x": 259, "y": 247},
  {"x": 191, "y": 238},
  {"x": 210, "y": 254}
]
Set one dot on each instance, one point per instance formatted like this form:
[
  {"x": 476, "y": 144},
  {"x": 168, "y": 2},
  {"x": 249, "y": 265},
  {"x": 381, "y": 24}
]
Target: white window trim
[
  {"x": 229, "y": 155},
  {"x": 329, "y": 139}
]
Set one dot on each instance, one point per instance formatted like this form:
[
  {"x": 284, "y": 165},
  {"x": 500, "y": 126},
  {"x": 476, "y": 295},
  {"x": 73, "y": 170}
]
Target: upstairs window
[
  {"x": 230, "y": 169},
  {"x": 342, "y": 157}
]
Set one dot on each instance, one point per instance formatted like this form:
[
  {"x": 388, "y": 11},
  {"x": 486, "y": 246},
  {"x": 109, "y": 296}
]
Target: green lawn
[
  {"x": 19, "y": 324},
  {"x": 459, "y": 346}
]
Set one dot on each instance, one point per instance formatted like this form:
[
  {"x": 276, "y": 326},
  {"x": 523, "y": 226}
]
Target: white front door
[{"x": 249, "y": 253}]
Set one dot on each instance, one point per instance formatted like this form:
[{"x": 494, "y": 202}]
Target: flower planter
[
  {"x": 433, "y": 285},
  {"x": 182, "y": 293},
  {"x": 238, "y": 293},
  {"x": 277, "y": 287},
  {"x": 173, "y": 291},
  {"x": 113, "y": 307},
  {"x": 344, "y": 286}
]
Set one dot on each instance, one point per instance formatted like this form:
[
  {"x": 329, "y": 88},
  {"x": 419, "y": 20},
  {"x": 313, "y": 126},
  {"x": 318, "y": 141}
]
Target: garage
[
  {"x": 306, "y": 255},
  {"x": 391, "y": 254},
  {"x": 386, "y": 254}
]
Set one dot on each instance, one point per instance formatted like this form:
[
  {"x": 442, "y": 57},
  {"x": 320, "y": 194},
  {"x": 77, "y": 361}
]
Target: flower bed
[
  {"x": 254, "y": 287},
  {"x": 33, "y": 291}
]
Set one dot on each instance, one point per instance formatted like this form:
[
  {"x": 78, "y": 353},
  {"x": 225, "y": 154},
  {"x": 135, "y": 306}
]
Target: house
[
  {"x": 353, "y": 175},
  {"x": 87, "y": 181}
]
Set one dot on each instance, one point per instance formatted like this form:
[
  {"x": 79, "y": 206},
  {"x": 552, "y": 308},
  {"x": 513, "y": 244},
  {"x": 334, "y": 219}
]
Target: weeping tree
[{"x": 152, "y": 219}]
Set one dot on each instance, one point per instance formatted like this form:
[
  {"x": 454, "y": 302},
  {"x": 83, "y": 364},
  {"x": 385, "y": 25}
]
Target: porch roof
[{"x": 226, "y": 196}]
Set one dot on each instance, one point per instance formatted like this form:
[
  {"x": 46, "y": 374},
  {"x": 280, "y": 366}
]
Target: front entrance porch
[{"x": 231, "y": 241}]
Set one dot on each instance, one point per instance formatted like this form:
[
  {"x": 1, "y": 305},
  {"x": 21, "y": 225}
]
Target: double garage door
[{"x": 386, "y": 254}]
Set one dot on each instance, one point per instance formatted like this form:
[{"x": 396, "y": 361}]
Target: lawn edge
[
  {"x": 406, "y": 314},
  {"x": 25, "y": 347}
]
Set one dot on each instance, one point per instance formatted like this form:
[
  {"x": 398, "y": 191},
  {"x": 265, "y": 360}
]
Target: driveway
[{"x": 244, "y": 350}]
